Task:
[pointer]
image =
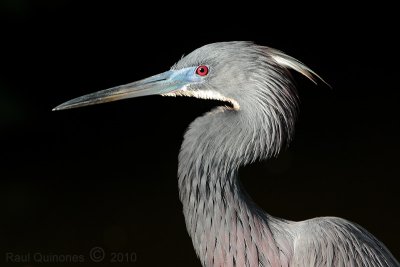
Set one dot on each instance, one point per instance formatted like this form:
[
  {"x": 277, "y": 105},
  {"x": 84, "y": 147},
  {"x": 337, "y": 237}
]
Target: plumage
[
  {"x": 255, "y": 121},
  {"x": 226, "y": 227}
]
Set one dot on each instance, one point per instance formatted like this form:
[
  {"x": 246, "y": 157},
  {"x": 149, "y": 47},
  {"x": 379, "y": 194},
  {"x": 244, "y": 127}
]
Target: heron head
[{"x": 229, "y": 72}]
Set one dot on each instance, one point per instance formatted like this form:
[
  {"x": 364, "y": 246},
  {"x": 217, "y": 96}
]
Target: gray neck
[{"x": 226, "y": 227}]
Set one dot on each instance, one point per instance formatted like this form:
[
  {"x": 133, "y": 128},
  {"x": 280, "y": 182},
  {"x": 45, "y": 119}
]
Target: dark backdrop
[{"x": 106, "y": 175}]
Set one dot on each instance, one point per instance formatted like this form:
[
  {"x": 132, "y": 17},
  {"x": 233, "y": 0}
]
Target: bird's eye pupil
[{"x": 202, "y": 70}]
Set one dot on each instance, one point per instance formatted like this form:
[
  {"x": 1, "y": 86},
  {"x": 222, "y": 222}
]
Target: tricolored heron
[{"x": 255, "y": 120}]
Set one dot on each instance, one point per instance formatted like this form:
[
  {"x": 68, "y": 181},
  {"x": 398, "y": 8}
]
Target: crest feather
[{"x": 289, "y": 62}]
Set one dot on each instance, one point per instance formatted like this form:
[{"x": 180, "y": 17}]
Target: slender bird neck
[{"x": 226, "y": 227}]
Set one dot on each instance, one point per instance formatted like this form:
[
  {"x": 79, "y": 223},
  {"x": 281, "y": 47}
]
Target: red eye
[{"x": 202, "y": 70}]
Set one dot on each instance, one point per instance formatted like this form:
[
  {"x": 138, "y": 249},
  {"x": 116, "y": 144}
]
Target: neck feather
[{"x": 226, "y": 227}]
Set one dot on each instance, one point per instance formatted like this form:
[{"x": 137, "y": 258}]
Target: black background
[{"x": 106, "y": 175}]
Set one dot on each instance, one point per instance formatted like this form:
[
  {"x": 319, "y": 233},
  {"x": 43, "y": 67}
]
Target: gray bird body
[
  {"x": 226, "y": 227},
  {"x": 255, "y": 121}
]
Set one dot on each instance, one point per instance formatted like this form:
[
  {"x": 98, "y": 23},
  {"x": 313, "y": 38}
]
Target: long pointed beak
[{"x": 163, "y": 83}]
